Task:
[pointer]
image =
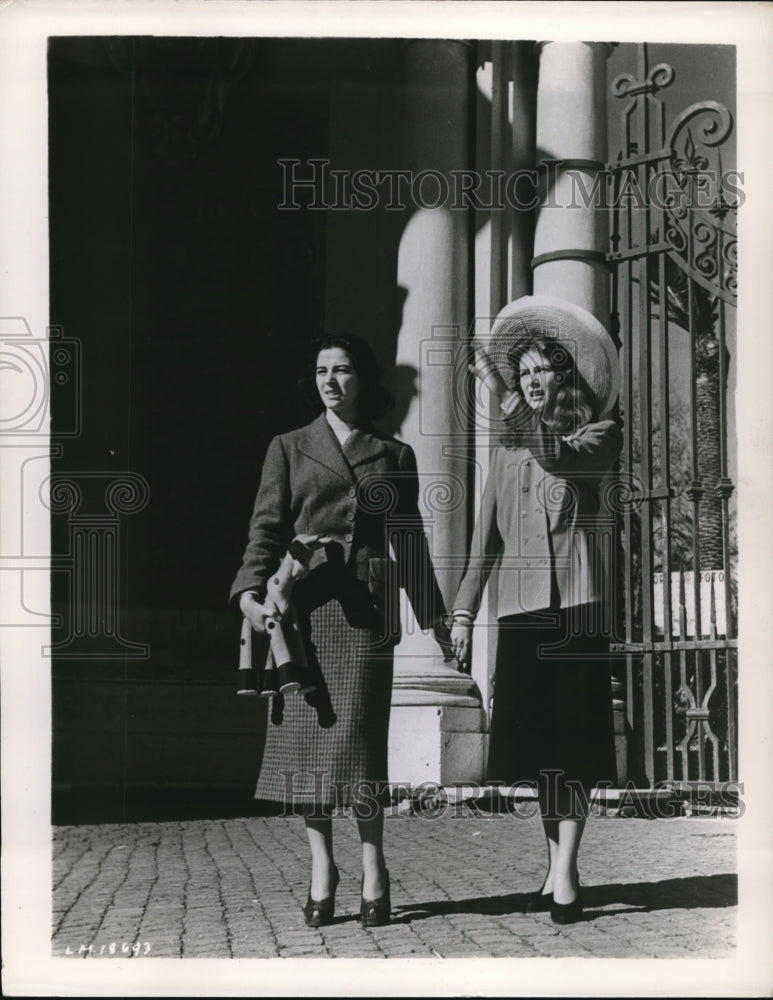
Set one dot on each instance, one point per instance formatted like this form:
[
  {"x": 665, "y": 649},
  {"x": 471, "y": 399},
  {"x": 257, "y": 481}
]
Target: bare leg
[
  {"x": 320, "y": 834},
  {"x": 563, "y": 820},
  {"x": 370, "y": 822},
  {"x": 550, "y": 826},
  {"x": 565, "y": 882}
]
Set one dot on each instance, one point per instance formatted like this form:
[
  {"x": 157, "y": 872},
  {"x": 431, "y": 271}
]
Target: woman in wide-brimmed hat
[{"x": 554, "y": 369}]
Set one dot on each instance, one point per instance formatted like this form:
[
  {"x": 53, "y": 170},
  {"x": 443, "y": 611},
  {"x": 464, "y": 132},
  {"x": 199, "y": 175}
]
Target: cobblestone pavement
[{"x": 658, "y": 888}]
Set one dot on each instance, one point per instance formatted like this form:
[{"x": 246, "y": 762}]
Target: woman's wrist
[{"x": 509, "y": 401}]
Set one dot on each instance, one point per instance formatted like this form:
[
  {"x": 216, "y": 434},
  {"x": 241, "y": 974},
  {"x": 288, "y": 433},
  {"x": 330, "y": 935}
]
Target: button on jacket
[
  {"x": 540, "y": 516},
  {"x": 357, "y": 493}
]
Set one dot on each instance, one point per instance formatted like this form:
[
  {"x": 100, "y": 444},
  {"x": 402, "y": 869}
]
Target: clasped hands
[
  {"x": 258, "y": 614},
  {"x": 454, "y": 643},
  {"x": 444, "y": 637},
  {"x": 461, "y": 641}
]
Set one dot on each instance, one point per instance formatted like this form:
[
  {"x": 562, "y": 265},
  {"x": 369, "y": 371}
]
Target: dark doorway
[{"x": 191, "y": 297}]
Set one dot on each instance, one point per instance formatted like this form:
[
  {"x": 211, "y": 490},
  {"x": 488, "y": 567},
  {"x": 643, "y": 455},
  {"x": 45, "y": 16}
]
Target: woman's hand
[
  {"x": 509, "y": 400},
  {"x": 257, "y": 613},
  {"x": 484, "y": 369},
  {"x": 443, "y": 639},
  {"x": 461, "y": 643}
]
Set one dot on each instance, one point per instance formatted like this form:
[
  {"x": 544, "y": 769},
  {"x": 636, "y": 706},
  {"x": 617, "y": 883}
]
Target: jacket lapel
[
  {"x": 361, "y": 447},
  {"x": 319, "y": 444}
]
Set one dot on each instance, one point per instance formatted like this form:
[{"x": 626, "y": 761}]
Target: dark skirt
[
  {"x": 330, "y": 747},
  {"x": 552, "y": 701}
]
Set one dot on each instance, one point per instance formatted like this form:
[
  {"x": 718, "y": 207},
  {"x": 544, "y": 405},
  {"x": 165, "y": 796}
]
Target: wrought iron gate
[{"x": 673, "y": 261}]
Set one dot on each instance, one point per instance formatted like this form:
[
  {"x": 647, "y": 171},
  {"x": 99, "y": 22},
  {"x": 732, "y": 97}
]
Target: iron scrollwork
[{"x": 698, "y": 220}]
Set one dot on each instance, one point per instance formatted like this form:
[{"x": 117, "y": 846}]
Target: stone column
[
  {"x": 436, "y": 730},
  {"x": 572, "y": 231}
]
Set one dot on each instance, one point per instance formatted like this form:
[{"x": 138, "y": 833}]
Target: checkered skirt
[{"x": 330, "y": 747}]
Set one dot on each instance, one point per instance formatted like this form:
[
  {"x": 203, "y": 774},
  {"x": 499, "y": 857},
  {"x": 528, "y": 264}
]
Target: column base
[{"x": 438, "y": 743}]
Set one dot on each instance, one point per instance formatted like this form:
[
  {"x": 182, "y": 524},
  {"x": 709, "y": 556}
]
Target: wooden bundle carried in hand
[{"x": 286, "y": 666}]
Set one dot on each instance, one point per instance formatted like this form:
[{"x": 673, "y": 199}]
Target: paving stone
[{"x": 214, "y": 888}]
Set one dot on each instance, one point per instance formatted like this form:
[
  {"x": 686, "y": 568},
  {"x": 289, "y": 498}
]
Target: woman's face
[
  {"x": 537, "y": 380},
  {"x": 338, "y": 383}
]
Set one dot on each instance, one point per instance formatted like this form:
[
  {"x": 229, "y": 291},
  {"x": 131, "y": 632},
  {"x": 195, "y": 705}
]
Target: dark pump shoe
[
  {"x": 319, "y": 912},
  {"x": 538, "y": 902},
  {"x": 566, "y": 913},
  {"x": 376, "y": 912},
  {"x": 542, "y": 902}
]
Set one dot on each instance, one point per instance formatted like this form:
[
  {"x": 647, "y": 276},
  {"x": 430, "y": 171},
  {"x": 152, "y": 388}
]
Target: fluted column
[{"x": 436, "y": 718}]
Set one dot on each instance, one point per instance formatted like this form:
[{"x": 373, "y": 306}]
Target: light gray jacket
[{"x": 540, "y": 511}]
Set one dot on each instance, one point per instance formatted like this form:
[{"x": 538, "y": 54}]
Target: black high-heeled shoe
[
  {"x": 376, "y": 912},
  {"x": 566, "y": 913},
  {"x": 542, "y": 902},
  {"x": 319, "y": 912},
  {"x": 538, "y": 902}
]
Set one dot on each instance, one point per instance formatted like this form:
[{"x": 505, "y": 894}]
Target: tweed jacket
[
  {"x": 539, "y": 519},
  {"x": 364, "y": 495}
]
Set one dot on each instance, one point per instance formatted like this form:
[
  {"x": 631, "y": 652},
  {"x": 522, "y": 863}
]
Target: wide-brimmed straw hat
[{"x": 542, "y": 317}]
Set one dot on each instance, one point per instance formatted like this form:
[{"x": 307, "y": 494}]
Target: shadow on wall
[{"x": 405, "y": 387}]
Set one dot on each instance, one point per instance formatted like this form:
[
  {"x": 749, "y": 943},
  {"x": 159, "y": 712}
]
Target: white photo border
[{"x": 29, "y": 969}]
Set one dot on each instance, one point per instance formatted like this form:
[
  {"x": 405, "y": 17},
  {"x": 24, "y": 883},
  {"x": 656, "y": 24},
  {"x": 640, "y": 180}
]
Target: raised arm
[{"x": 592, "y": 449}]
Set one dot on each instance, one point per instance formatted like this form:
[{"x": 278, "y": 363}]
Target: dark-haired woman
[
  {"x": 338, "y": 482},
  {"x": 554, "y": 369}
]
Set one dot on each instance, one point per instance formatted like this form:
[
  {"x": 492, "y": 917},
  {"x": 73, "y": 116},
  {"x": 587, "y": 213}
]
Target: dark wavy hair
[
  {"x": 573, "y": 406},
  {"x": 373, "y": 400}
]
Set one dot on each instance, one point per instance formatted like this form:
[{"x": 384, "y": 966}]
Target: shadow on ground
[
  {"x": 695, "y": 892},
  {"x": 74, "y": 807}
]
